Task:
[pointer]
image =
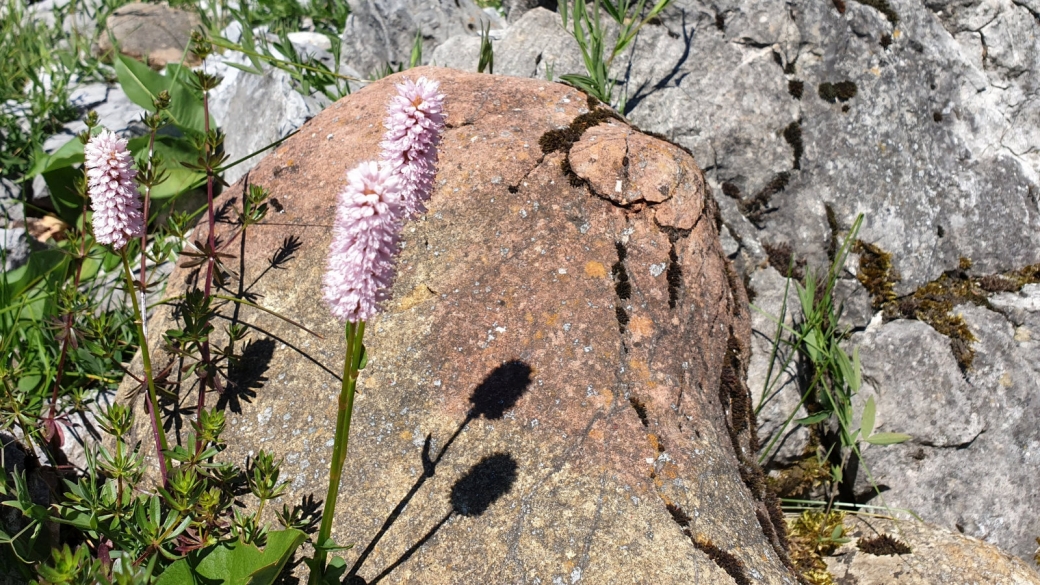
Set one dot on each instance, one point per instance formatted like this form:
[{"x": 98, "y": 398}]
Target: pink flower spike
[
  {"x": 364, "y": 243},
  {"x": 113, "y": 193},
  {"x": 414, "y": 123}
]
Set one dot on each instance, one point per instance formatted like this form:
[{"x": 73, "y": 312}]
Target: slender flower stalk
[
  {"x": 117, "y": 219},
  {"x": 376, "y": 201},
  {"x": 161, "y": 446}
]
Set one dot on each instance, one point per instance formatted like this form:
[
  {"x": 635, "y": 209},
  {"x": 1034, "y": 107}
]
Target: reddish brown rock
[
  {"x": 154, "y": 33},
  {"x": 554, "y": 395}
]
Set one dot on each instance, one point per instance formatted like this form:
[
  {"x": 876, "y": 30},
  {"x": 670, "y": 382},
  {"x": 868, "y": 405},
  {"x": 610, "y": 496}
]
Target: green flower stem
[
  {"x": 146, "y": 360},
  {"x": 351, "y": 361}
]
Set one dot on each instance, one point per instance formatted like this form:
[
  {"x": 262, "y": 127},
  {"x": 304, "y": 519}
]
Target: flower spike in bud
[
  {"x": 414, "y": 123},
  {"x": 364, "y": 242},
  {"x": 113, "y": 194}
]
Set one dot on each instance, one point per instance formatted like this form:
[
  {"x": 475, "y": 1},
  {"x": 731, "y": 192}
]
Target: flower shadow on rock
[{"x": 485, "y": 482}]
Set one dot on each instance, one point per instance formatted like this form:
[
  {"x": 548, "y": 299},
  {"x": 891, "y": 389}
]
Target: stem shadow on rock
[{"x": 496, "y": 394}]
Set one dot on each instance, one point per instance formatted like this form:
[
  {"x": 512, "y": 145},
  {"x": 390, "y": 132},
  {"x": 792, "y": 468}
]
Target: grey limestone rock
[
  {"x": 11, "y": 208},
  {"x": 14, "y": 244},
  {"x": 255, "y": 110},
  {"x": 378, "y": 32},
  {"x": 974, "y": 455},
  {"x": 925, "y": 120}
]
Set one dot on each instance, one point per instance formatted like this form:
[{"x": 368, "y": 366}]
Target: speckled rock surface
[
  {"x": 937, "y": 557},
  {"x": 975, "y": 451},
  {"x": 156, "y": 34},
  {"x": 542, "y": 402},
  {"x": 937, "y": 148}
]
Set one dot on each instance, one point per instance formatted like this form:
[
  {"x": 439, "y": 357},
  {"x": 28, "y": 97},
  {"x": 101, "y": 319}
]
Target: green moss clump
[
  {"x": 876, "y": 273},
  {"x": 883, "y": 7},
  {"x": 842, "y": 91},
  {"x": 812, "y": 538}
]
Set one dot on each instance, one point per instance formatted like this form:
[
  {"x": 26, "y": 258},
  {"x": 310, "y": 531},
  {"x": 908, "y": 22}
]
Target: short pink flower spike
[{"x": 113, "y": 193}]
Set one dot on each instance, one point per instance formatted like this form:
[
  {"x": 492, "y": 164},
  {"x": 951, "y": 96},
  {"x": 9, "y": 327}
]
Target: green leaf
[
  {"x": 142, "y": 86},
  {"x": 363, "y": 361},
  {"x": 813, "y": 419},
  {"x": 236, "y": 563},
  {"x": 139, "y": 82},
  {"x": 887, "y": 438},
  {"x": 867, "y": 422},
  {"x": 174, "y": 151}
]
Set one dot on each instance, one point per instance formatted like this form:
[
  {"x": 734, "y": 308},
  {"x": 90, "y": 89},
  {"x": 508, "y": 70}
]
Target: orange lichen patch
[
  {"x": 596, "y": 434},
  {"x": 640, "y": 369},
  {"x": 595, "y": 270},
  {"x": 405, "y": 435},
  {"x": 641, "y": 326},
  {"x": 551, "y": 319},
  {"x": 655, "y": 443},
  {"x": 669, "y": 471},
  {"x": 418, "y": 295}
]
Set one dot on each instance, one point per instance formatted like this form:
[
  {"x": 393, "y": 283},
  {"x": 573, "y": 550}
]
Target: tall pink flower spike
[
  {"x": 413, "y": 124},
  {"x": 113, "y": 193},
  {"x": 364, "y": 242}
]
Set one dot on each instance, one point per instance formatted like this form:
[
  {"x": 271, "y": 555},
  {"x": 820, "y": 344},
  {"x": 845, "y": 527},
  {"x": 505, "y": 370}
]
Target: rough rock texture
[
  {"x": 937, "y": 556},
  {"x": 154, "y": 33},
  {"x": 378, "y": 32},
  {"x": 254, "y": 110},
  {"x": 554, "y": 395},
  {"x": 924, "y": 119},
  {"x": 975, "y": 450}
]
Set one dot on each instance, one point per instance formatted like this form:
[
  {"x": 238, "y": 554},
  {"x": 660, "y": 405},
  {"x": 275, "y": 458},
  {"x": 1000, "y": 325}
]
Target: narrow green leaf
[
  {"x": 887, "y": 438},
  {"x": 867, "y": 422}
]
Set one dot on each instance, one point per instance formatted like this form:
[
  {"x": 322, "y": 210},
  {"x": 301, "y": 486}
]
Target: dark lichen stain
[
  {"x": 563, "y": 138},
  {"x": 674, "y": 276},
  {"x": 731, "y": 190},
  {"x": 793, "y": 136},
  {"x": 883, "y": 544},
  {"x": 514, "y": 189},
  {"x": 845, "y": 109},
  {"x": 757, "y": 207},
  {"x": 720, "y": 21},
  {"x": 640, "y": 409},
  {"x": 886, "y": 41},
  {"x": 840, "y": 6},
  {"x": 725, "y": 561},
  {"x": 789, "y": 68},
  {"x": 883, "y": 7},
  {"x": 937, "y": 116},
  {"x": 622, "y": 286},
  {"x": 782, "y": 258},
  {"x": 842, "y": 91},
  {"x": 795, "y": 87},
  {"x": 939, "y": 231}
]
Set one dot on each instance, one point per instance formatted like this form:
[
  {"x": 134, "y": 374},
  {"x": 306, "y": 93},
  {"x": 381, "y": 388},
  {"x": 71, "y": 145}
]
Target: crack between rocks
[{"x": 957, "y": 447}]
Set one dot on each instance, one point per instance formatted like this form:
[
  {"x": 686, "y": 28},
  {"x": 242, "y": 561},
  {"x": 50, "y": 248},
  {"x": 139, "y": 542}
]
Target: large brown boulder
[{"x": 555, "y": 392}]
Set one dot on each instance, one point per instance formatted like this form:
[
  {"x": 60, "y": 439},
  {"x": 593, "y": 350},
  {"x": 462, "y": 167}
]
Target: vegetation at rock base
[{"x": 815, "y": 534}]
